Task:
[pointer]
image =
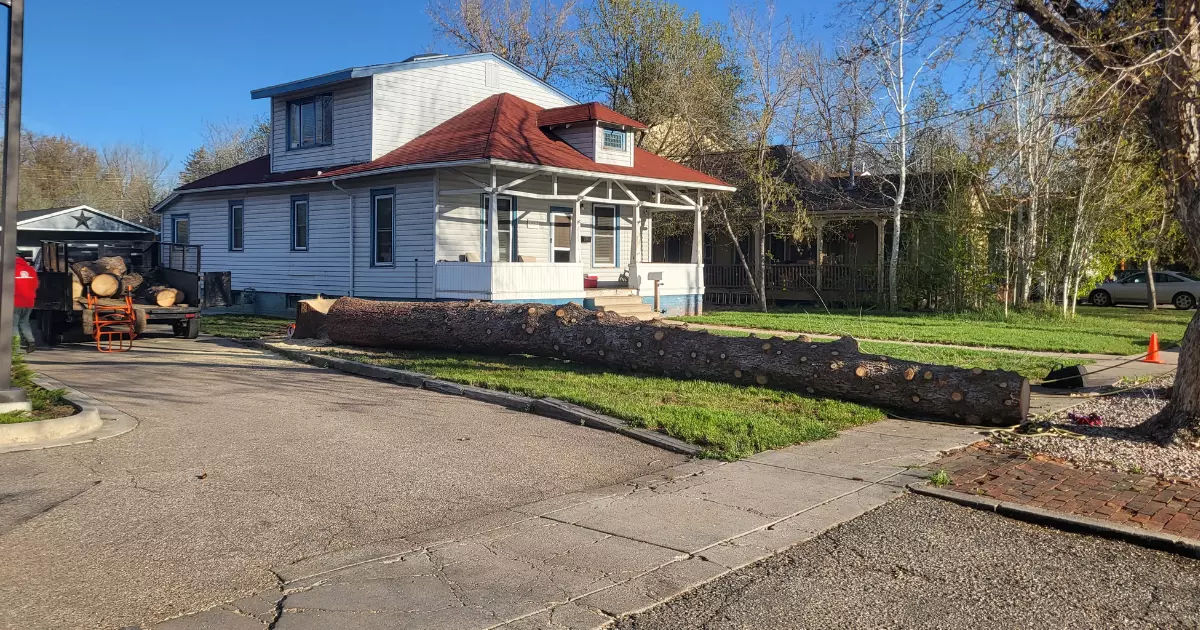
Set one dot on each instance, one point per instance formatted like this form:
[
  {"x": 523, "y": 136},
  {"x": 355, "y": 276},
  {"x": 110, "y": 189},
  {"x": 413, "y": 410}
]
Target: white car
[{"x": 1170, "y": 287}]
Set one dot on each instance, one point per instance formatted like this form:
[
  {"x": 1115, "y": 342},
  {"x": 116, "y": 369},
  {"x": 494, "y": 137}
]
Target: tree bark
[
  {"x": 1151, "y": 290},
  {"x": 132, "y": 281},
  {"x": 836, "y": 370},
  {"x": 89, "y": 269}
]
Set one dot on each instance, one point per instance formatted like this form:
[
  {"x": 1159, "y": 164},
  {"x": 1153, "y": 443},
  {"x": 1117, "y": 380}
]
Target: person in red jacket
[{"x": 24, "y": 292}]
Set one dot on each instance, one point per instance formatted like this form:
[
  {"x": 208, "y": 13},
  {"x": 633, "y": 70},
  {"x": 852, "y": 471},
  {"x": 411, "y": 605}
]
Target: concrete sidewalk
[{"x": 582, "y": 559}]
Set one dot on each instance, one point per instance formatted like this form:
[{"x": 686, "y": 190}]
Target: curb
[
  {"x": 547, "y": 407},
  {"x": 94, "y": 421},
  {"x": 1069, "y": 522}
]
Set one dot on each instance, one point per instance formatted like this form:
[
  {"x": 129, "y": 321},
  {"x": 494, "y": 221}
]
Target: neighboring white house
[{"x": 442, "y": 177}]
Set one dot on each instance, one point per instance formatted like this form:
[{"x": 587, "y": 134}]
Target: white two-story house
[{"x": 443, "y": 178}]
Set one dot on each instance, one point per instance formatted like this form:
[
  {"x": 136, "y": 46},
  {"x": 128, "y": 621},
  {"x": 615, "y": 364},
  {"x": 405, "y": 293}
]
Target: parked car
[{"x": 1171, "y": 287}]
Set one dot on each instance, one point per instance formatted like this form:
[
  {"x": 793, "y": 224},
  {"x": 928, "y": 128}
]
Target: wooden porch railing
[{"x": 786, "y": 277}]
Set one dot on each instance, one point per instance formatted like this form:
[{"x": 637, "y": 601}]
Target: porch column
[
  {"x": 635, "y": 248},
  {"x": 575, "y": 216},
  {"x": 493, "y": 223},
  {"x": 698, "y": 232},
  {"x": 819, "y": 228},
  {"x": 879, "y": 225}
]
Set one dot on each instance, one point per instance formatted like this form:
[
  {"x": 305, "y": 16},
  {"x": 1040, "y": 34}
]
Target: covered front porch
[
  {"x": 843, "y": 260},
  {"x": 517, "y": 233}
]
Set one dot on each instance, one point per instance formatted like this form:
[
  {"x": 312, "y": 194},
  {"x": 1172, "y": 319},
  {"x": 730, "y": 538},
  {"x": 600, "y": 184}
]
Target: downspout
[{"x": 352, "y": 265}]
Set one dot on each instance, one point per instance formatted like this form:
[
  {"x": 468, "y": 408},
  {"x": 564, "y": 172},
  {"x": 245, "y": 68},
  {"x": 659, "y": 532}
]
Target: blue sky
[{"x": 153, "y": 71}]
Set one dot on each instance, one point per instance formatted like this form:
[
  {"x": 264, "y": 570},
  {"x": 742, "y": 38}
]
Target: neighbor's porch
[
  {"x": 540, "y": 236},
  {"x": 843, "y": 260}
]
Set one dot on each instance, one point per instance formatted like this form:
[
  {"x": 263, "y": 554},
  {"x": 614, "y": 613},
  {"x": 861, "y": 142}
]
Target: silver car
[{"x": 1170, "y": 287}]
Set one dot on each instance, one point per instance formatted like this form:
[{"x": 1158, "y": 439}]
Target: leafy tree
[{"x": 661, "y": 66}]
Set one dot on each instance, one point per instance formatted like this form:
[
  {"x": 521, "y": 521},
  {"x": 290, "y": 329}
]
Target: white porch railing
[
  {"x": 676, "y": 278},
  {"x": 509, "y": 281}
]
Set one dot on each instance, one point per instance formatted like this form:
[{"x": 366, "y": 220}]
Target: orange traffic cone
[{"x": 1152, "y": 352}]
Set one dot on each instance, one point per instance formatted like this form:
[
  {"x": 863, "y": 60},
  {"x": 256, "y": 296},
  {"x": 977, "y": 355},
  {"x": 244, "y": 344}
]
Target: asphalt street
[
  {"x": 242, "y": 462},
  {"x": 918, "y": 562}
]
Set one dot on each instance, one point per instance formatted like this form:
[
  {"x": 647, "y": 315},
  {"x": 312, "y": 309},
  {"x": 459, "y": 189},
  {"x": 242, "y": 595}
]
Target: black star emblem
[{"x": 82, "y": 219}]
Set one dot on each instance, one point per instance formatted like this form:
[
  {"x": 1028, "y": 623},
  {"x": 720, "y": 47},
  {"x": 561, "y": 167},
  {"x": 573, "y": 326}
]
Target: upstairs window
[
  {"x": 614, "y": 139},
  {"x": 310, "y": 122}
]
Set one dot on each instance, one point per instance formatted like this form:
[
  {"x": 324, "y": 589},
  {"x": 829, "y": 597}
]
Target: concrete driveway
[{"x": 243, "y": 461}]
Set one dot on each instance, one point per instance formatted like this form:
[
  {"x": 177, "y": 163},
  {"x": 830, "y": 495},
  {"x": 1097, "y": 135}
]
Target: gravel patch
[
  {"x": 924, "y": 563},
  {"x": 1114, "y": 445}
]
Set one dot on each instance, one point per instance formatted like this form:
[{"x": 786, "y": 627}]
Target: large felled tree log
[
  {"x": 162, "y": 295},
  {"x": 835, "y": 370},
  {"x": 87, "y": 270}
]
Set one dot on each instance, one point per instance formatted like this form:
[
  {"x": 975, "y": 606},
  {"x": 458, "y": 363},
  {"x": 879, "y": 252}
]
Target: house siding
[
  {"x": 582, "y": 138},
  {"x": 267, "y": 263},
  {"x": 409, "y": 102},
  {"x": 351, "y": 129},
  {"x": 612, "y": 156}
]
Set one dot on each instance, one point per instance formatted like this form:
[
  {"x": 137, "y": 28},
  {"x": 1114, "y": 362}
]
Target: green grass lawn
[
  {"x": 727, "y": 421},
  {"x": 243, "y": 326},
  {"x": 1094, "y": 330},
  {"x": 1029, "y": 366}
]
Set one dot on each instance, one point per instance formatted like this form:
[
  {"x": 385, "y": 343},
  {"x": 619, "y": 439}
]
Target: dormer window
[
  {"x": 310, "y": 122},
  {"x": 614, "y": 139}
]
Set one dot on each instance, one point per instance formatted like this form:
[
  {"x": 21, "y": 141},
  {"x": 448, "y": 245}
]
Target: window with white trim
[
  {"x": 614, "y": 139},
  {"x": 237, "y": 217},
  {"x": 300, "y": 223},
  {"x": 383, "y": 221},
  {"x": 604, "y": 236},
  {"x": 310, "y": 122}
]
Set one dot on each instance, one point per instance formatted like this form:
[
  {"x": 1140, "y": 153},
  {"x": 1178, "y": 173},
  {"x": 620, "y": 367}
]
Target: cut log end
[{"x": 106, "y": 285}]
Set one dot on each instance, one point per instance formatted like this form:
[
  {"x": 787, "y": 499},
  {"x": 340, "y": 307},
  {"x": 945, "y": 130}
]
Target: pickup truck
[{"x": 61, "y": 311}]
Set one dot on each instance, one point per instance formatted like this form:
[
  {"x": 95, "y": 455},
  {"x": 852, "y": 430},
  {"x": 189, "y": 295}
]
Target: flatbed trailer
[{"x": 62, "y": 312}]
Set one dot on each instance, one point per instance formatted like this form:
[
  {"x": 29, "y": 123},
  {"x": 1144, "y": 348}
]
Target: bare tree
[
  {"x": 771, "y": 104},
  {"x": 1150, "y": 54},
  {"x": 537, "y": 37},
  {"x": 226, "y": 144},
  {"x": 896, "y": 37}
]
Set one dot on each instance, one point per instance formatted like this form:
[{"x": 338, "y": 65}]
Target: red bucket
[{"x": 591, "y": 282}]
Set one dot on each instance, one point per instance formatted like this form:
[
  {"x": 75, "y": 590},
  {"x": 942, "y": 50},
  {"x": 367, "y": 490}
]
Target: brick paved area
[{"x": 1142, "y": 500}]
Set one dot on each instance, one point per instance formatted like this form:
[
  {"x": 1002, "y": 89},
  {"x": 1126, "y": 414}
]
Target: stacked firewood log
[{"x": 108, "y": 276}]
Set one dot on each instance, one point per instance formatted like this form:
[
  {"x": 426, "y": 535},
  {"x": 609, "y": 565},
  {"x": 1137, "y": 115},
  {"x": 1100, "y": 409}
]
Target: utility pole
[{"x": 11, "y": 399}]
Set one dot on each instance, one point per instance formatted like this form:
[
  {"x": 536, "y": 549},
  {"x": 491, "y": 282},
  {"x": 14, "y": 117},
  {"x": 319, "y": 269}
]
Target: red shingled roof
[
  {"x": 500, "y": 127},
  {"x": 256, "y": 171},
  {"x": 584, "y": 113},
  {"x": 504, "y": 127}
]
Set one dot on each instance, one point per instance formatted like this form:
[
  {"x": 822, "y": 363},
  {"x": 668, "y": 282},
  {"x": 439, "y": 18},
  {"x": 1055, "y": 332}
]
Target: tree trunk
[
  {"x": 837, "y": 370},
  {"x": 1173, "y": 118},
  {"x": 760, "y": 264},
  {"x": 1151, "y": 290}
]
